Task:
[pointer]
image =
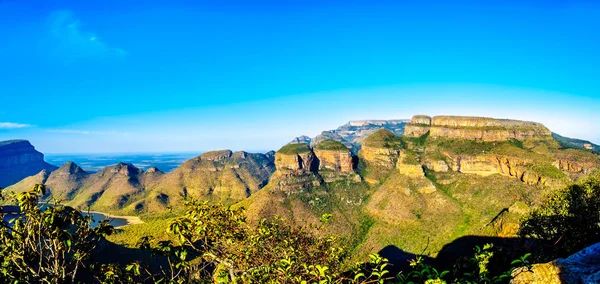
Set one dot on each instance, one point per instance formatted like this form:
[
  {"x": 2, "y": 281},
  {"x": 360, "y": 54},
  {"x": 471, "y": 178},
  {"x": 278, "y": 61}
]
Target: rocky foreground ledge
[{"x": 582, "y": 267}]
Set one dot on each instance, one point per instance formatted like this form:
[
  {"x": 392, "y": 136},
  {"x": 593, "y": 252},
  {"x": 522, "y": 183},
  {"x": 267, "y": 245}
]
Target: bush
[
  {"x": 53, "y": 245},
  {"x": 567, "y": 222}
]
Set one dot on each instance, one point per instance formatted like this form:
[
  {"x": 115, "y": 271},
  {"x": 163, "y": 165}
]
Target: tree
[{"x": 49, "y": 245}]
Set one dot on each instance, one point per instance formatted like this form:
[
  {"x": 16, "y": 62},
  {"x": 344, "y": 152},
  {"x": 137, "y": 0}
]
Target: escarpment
[
  {"x": 381, "y": 148},
  {"x": 475, "y": 128},
  {"x": 18, "y": 160},
  {"x": 297, "y": 167},
  {"x": 335, "y": 161}
]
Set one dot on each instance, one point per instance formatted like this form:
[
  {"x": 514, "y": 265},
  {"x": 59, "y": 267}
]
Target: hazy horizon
[{"x": 145, "y": 76}]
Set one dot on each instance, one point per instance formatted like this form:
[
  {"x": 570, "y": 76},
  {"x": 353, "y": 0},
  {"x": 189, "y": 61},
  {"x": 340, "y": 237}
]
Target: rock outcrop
[
  {"x": 334, "y": 156},
  {"x": 335, "y": 161},
  {"x": 381, "y": 148},
  {"x": 527, "y": 171},
  {"x": 409, "y": 165},
  {"x": 476, "y": 128},
  {"x": 581, "y": 267},
  {"x": 18, "y": 160},
  {"x": 297, "y": 167}
]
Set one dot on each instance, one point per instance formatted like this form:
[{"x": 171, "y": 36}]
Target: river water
[
  {"x": 99, "y": 217},
  {"x": 96, "y": 216}
]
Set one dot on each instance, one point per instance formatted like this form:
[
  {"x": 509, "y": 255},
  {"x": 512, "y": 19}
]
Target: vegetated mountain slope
[
  {"x": 576, "y": 143},
  {"x": 473, "y": 176},
  {"x": 18, "y": 160},
  {"x": 220, "y": 176},
  {"x": 352, "y": 133},
  {"x": 310, "y": 182}
]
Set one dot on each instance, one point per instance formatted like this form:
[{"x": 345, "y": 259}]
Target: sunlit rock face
[
  {"x": 297, "y": 168},
  {"x": 475, "y": 128}
]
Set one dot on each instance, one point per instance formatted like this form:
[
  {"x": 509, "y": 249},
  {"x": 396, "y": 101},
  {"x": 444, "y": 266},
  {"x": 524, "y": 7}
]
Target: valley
[{"x": 444, "y": 178}]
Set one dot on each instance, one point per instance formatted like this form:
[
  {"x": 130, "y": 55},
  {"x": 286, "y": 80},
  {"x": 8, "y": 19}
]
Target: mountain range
[{"x": 416, "y": 184}]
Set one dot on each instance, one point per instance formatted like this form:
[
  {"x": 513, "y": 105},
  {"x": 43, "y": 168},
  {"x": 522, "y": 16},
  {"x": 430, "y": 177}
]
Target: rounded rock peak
[
  {"x": 331, "y": 145},
  {"x": 421, "y": 119},
  {"x": 294, "y": 149},
  {"x": 382, "y": 138}
]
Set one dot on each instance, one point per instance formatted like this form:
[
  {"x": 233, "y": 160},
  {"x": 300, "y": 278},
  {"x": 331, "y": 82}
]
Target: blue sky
[{"x": 143, "y": 76}]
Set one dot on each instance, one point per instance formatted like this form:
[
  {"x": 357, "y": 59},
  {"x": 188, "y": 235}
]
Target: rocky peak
[
  {"x": 216, "y": 156},
  {"x": 334, "y": 156},
  {"x": 153, "y": 170},
  {"x": 70, "y": 168},
  {"x": 297, "y": 158},
  {"x": 301, "y": 139},
  {"x": 381, "y": 148},
  {"x": 125, "y": 169},
  {"x": 239, "y": 155}
]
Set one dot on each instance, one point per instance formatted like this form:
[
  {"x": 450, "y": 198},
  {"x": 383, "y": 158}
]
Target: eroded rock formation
[
  {"x": 475, "y": 128},
  {"x": 297, "y": 167},
  {"x": 381, "y": 148}
]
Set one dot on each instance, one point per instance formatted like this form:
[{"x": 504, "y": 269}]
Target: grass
[
  {"x": 410, "y": 157},
  {"x": 156, "y": 227},
  {"x": 416, "y": 141},
  {"x": 462, "y": 146},
  {"x": 297, "y": 148},
  {"x": 383, "y": 138},
  {"x": 331, "y": 145},
  {"x": 547, "y": 170}
]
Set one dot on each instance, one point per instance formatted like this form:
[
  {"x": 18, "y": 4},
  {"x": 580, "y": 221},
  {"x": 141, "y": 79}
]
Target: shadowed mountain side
[
  {"x": 460, "y": 250},
  {"x": 18, "y": 160}
]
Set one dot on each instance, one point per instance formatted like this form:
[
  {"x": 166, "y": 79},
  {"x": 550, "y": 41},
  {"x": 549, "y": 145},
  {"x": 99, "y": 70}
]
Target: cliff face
[
  {"x": 514, "y": 167},
  {"x": 334, "y": 156},
  {"x": 297, "y": 168},
  {"x": 475, "y": 128},
  {"x": 18, "y": 160},
  {"x": 381, "y": 148}
]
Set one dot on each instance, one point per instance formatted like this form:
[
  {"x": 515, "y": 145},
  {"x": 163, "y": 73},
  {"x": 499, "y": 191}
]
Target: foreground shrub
[
  {"x": 53, "y": 245},
  {"x": 567, "y": 222}
]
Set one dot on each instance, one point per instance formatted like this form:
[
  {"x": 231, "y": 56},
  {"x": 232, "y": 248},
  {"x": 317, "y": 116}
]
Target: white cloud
[
  {"x": 12, "y": 125},
  {"x": 70, "y": 40}
]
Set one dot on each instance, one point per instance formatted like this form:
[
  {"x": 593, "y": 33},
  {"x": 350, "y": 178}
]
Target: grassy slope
[
  {"x": 296, "y": 148},
  {"x": 331, "y": 145}
]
